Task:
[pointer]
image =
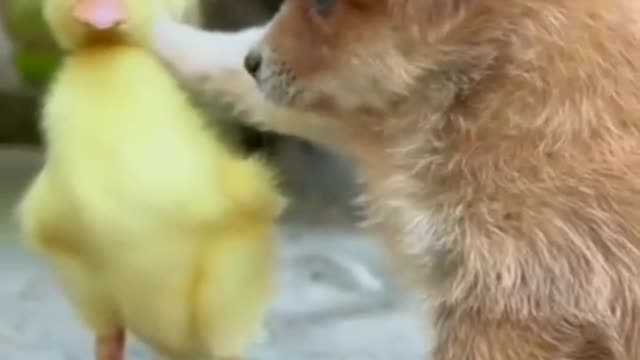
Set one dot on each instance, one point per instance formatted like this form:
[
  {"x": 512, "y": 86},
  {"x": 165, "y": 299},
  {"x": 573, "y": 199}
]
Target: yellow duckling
[{"x": 150, "y": 223}]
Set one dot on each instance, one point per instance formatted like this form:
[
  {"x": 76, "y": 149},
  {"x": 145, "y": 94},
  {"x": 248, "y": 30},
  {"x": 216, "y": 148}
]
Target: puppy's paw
[
  {"x": 170, "y": 41},
  {"x": 196, "y": 54}
]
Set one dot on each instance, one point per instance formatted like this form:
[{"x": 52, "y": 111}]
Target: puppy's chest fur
[
  {"x": 419, "y": 234},
  {"x": 514, "y": 224}
]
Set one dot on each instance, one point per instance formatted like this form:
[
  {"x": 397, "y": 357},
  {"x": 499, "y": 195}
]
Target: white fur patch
[{"x": 194, "y": 52}]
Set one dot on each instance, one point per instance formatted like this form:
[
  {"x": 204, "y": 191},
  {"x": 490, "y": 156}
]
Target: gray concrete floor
[{"x": 335, "y": 302}]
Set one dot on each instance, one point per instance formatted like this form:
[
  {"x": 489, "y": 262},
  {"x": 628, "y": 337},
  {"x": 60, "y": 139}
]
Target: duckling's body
[{"x": 150, "y": 224}]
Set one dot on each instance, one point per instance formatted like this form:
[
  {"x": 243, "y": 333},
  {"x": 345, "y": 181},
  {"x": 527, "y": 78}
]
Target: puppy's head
[{"x": 350, "y": 56}]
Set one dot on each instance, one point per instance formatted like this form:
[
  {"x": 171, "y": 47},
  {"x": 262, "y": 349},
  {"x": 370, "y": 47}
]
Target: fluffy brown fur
[{"x": 499, "y": 141}]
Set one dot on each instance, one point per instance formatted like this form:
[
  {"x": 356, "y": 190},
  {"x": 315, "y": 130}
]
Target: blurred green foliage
[
  {"x": 25, "y": 17},
  {"x": 37, "y": 55},
  {"x": 36, "y": 69}
]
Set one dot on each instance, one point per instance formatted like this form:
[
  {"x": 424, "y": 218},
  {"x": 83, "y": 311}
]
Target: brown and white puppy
[{"x": 499, "y": 141}]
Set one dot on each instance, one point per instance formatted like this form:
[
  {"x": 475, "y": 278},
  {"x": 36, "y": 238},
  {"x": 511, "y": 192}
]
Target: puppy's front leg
[
  {"x": 212, "y": 63},
  {"x": 197, "y": 55}
]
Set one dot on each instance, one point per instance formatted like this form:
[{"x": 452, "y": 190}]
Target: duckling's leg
[{"x": 111, "y": 346}]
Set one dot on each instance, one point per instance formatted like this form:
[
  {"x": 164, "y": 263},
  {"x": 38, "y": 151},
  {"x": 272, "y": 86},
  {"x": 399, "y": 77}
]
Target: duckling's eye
[{"x": 324, "y": 7}]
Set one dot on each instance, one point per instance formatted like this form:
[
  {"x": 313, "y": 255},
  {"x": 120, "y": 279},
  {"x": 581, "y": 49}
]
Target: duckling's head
[{"x": 75, "y": 23}]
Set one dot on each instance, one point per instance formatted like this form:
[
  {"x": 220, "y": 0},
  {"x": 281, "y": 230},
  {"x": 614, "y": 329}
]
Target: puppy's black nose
[{"x": 252, "y": 62}]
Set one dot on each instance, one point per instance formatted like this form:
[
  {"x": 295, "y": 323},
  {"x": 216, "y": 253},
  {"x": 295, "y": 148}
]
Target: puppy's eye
[{"x": 324, "y": 7}]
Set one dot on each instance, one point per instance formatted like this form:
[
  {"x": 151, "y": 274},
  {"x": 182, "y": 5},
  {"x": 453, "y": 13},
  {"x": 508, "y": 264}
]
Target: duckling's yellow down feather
[{"x": 149, "y": 222}]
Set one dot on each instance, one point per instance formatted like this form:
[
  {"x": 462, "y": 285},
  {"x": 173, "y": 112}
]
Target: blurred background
[{"x": 336, "y": 301}]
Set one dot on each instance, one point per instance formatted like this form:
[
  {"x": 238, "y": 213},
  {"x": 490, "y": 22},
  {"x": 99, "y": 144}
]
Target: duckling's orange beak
[{"x": 100, "y": 14}]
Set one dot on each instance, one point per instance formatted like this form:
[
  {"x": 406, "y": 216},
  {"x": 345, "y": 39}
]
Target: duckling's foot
[{"x": 111, "y": 347}]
